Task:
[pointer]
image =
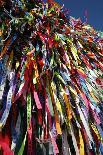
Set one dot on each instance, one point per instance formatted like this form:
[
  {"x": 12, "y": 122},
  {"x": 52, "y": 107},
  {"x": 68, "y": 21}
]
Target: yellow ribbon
[{"x": 81, "y": 144}]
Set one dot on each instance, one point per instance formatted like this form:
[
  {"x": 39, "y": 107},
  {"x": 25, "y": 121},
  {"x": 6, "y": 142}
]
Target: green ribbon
[
  {"x": 28, "y": 109},
  {"x": 23, "y": 145},
  {"x": 28, "y": 121}
]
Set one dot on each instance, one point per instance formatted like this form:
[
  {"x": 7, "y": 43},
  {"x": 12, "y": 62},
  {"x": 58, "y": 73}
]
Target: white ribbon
[{"x": 9, "y": 101}]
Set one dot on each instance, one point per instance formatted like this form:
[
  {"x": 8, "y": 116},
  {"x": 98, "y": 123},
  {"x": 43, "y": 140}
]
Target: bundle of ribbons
[{"x": 51, "y": 81}]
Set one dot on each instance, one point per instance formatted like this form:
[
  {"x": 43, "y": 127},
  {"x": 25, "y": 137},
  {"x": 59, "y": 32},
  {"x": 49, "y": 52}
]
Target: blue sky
[{"x": 94, "y": 8}]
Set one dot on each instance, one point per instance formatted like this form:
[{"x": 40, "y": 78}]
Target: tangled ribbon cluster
[{"x": 51, "y": 82}]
